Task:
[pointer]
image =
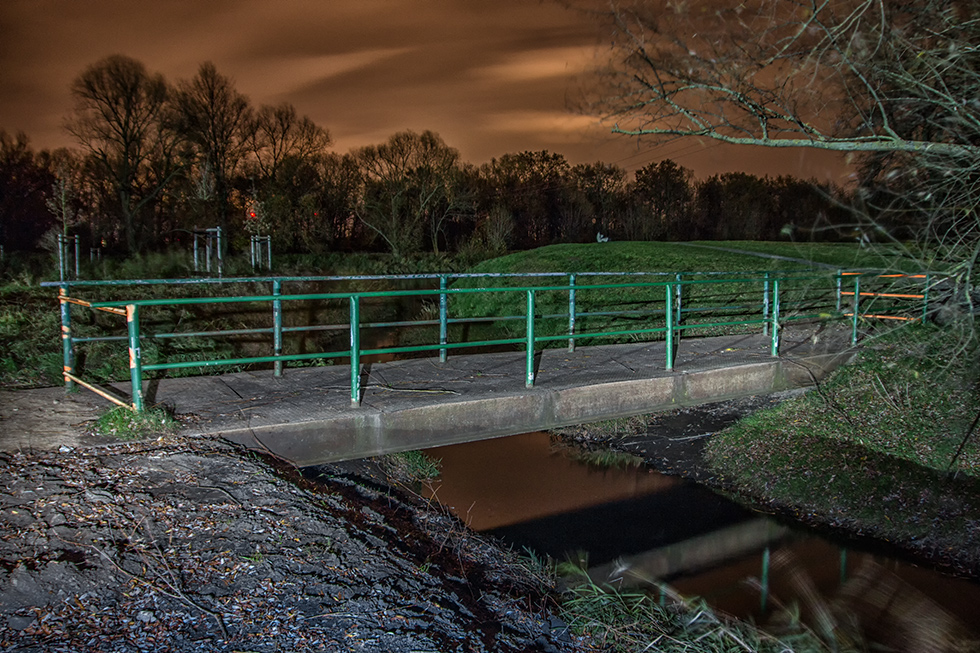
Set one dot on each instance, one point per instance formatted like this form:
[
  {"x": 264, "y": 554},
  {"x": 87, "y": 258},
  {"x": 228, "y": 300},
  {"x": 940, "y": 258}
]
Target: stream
[{"x": 641, "y": 527}]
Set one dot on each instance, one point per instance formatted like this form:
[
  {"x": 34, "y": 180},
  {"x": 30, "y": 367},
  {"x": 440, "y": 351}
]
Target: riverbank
[
  {"x": 914, "y": 512},
  {"x": 191, "y": 544}
]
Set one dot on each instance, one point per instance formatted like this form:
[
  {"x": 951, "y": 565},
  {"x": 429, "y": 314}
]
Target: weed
[
  {"x": 611, "y": 428},
  {"x": 126, "y": 424},
  {"x": 635, "y": 620},
  {"x": 411, "y": 467},
  {"x": 605, "y": 458}
]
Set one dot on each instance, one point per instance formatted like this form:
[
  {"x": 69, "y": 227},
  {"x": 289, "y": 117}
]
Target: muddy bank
[
  {"x": 673, "y": 442},
  {"x": 184, "y": 545}
]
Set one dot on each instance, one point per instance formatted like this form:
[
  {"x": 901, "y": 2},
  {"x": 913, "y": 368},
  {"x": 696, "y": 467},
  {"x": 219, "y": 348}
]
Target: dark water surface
[{"x": 642, "y": 526}]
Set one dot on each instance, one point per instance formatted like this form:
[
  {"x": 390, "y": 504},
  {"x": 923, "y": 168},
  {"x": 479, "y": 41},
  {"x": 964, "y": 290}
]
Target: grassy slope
[
  {"x": 626, "y": 257},
  {"x": 844, "y": 255},
  {"x": 873, "y": 449},
  {"x": 651, "y": 257}
]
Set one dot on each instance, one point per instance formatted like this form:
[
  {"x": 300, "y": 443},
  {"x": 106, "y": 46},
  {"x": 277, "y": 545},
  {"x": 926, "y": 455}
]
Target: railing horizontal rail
[
  {"x": 672, "y": 303},
  {"x": 364, "y": 277}
]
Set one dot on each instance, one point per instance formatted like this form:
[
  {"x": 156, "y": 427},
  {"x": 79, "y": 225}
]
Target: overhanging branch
[{"x": 839, "y": 145}]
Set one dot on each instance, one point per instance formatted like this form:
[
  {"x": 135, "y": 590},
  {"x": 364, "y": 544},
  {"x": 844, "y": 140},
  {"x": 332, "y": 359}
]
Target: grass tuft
[
  {"x": 605, "y": 458},
  {"x": 636, "y": 620},
  {"x": 411, "y": 467},
  {"x": 126, "y": 424}
]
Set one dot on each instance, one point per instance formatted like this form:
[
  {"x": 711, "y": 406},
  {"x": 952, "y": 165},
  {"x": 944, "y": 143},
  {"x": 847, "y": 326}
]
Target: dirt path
[{"x": 47, "y": 419}]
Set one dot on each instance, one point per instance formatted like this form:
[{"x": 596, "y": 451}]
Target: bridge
[
  {"x": 306, "y": 417},
  {"x": 776, "y": 333}
]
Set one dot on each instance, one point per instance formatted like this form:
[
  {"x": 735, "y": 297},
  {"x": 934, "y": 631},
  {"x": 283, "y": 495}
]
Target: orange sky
[{"x": 490, "y": 76}]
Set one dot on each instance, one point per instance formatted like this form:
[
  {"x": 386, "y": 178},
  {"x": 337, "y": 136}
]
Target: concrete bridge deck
[{"x": 306, "y": 415}]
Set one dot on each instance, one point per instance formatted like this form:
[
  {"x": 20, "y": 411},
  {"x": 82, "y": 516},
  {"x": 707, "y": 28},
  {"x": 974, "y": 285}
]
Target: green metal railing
[{"x": 662, "y": 309}]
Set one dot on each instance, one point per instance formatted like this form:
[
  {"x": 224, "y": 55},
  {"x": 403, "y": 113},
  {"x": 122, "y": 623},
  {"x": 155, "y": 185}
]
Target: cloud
[
  {"x": 543, "y": 123},
  {"x": 539, "y": 64},
  {"x": 281, "y": 76}
]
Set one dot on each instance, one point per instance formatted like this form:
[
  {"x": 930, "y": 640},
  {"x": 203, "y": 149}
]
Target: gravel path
[{"x": 193, "y": 545}]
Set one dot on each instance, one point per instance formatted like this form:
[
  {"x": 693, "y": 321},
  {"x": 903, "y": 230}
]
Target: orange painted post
[
  {"x": 135, "y": 357},
  {"x": 67, "y": 343}
]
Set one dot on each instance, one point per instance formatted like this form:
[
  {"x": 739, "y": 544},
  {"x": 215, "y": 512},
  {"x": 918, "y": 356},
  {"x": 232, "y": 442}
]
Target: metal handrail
[{"x": 671, "y": 316}]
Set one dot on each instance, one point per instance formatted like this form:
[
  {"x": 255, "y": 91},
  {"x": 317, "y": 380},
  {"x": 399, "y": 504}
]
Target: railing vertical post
[
  {"x": 774, "y": 346},
  {"x": 67, "y": 342},
  {"x": 443, "y": 318},
  {"x": 207, "y": 252},
  {"x": 925, "y": 300},
  {"x": 61, "y": 258},
  {"x": 856, "y": 304},
  {"x": 679, "y": 296},
  {"x": 765, "y": 306},
  {"x": 840, "y": 279},
  {"x": 571, "y": 312},
  {"x": 195, "y": 249},
  {"x": 764, "y": 584},
  {"x": 135, "y": 356},
  {"x": 268, "y": 251},
  {"x": 277, "y": 326},
  {"x": 529, "y": 354},
  {"x": 669, "y": 319},
  {"x": 355, "y": 350},
  {"x": 220, "y": 260},
  {"x": 843, "y": 565},
  {"x": 77, "y": 275}
]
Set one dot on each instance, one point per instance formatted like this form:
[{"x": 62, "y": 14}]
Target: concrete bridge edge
[{"x": 371, "y": 432}]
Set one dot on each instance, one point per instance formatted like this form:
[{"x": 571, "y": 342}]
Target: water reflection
[
  {"x": 495, "y": 483},
  {"x": 639, "y": 527}
]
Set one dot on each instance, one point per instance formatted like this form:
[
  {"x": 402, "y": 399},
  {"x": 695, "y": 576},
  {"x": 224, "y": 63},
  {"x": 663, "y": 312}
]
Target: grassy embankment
[
  {"x": 887, "y": 447},
  {"x": 811, "y": 292},
  {"x": 842, "y": 255}
]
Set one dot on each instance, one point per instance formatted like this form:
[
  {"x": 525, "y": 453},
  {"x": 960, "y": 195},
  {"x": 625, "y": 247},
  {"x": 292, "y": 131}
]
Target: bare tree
[
  {"x": 532, "y": 187},
  {"x": 662, "y": 195},
  {"x": 279, "y": 133},
  {"x": 791, "y": 73},
  {"x": 217, "y": 119},
  {"x": 118, "y": 120},
  {"x": 25, "y": 183},
  {"x": 893, "y": 83},
  {"x": 408, "y": 182},
  {"x": 601, "y": 188}
]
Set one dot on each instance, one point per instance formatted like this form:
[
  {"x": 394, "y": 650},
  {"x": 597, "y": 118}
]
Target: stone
[{"x": 17, "y": 622}]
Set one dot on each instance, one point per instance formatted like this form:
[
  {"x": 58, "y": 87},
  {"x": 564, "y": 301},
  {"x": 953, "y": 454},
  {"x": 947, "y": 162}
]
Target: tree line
[{"x": 155, "y": 160}]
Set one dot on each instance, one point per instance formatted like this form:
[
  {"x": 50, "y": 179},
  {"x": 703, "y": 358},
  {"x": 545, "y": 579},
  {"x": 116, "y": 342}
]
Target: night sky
[{"x": 490, "y": 76}]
